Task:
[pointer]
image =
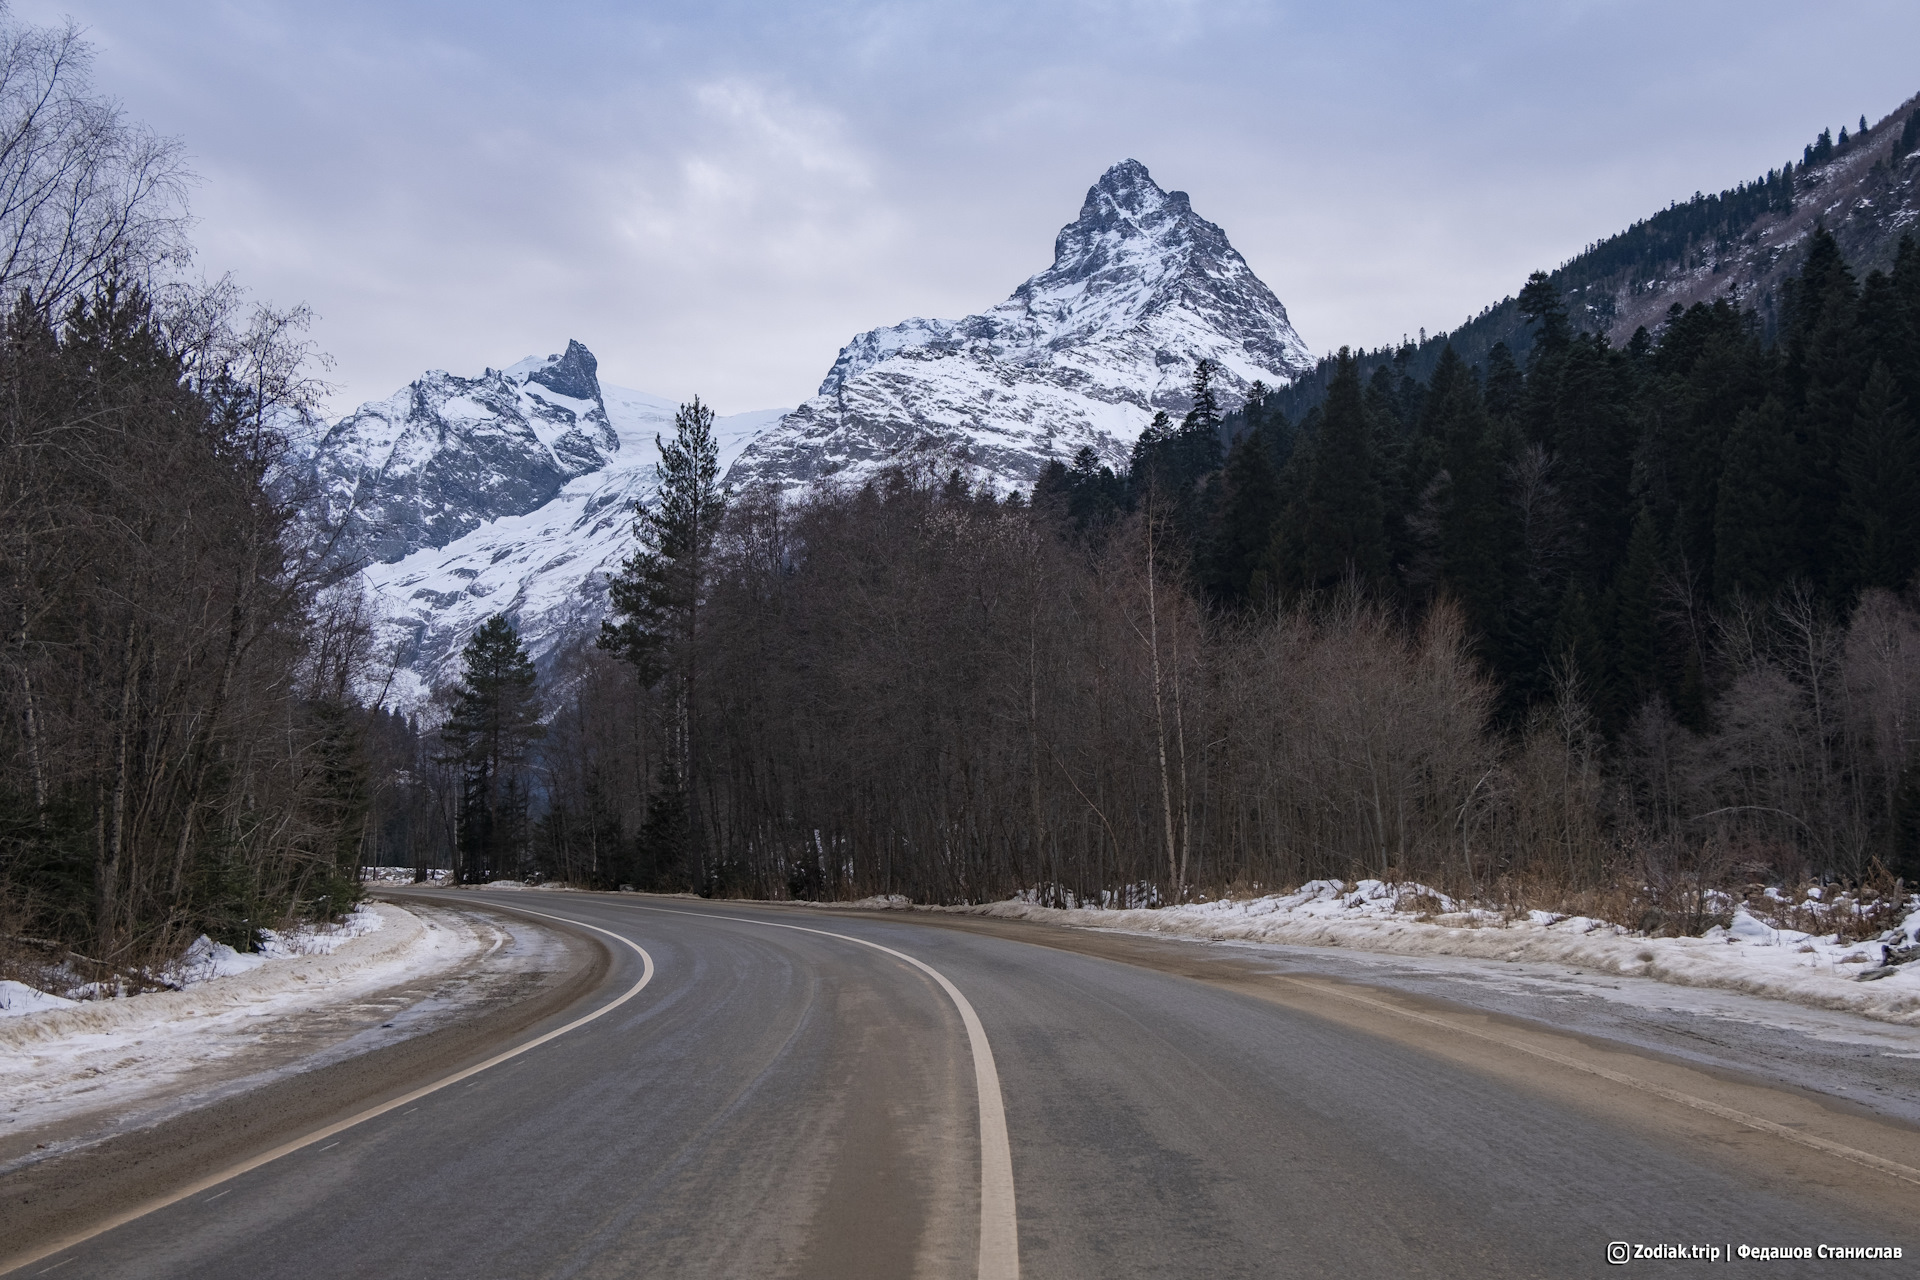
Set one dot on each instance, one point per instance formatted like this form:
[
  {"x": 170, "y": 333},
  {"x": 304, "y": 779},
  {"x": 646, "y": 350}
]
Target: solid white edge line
[
  {"x": 999, "y": 1221},
  {"x": 288, "y": 1148}
]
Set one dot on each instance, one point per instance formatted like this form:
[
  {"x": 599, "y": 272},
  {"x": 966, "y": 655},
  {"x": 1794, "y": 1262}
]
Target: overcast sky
[{"x": 714, "y": 196}]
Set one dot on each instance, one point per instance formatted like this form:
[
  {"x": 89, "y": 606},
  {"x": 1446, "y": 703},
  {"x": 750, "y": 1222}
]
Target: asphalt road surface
[{"x": 753, "y": 1091}]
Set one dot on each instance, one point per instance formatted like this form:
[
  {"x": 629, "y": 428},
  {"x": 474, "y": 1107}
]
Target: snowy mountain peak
[
  {"x": 574, "y": 374},
  {"x": 1125, "y": 204},
  {"x": 447, "y": 453},
  {"x": 1081, "y": 354}
]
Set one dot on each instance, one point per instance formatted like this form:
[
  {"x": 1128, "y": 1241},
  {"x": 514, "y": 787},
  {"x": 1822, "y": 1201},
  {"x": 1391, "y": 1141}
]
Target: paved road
[{"x": 780, "y": 1102}]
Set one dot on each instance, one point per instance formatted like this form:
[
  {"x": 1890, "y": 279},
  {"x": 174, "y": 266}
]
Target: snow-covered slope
[
  {"x": 546, "y": 568},
  {"x": 507, "y": 493},
  {"x": 1140, "y": 289},
  {"x": 444, "y": 455}
]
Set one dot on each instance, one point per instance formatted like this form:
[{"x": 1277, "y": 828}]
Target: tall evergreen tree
[
  {"x": 1249, "y": 511},
  {"x": 1756, "y": 548},
  {"x": 1825, "y": 369},
  {"x": 1476, "y": 541},
  {"x": 657, "y": 596},
  {"x": 489, "y": 738},
  {"x": 1879, "y": 519},
  {"x": 1591, "y": 432},
  {"x": 1205, "y": 413},
  {"x": 1636, "y": 646},
  {"x": 1341, "y": 526}
]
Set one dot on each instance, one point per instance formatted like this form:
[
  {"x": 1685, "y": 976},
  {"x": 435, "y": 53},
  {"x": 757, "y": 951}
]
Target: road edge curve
[
  {"x": 157, "y": 1203},
  {"x": 999, "y": 1217}
]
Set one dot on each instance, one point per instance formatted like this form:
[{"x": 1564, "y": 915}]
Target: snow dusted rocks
[
  {"x": 512, "y": 492},
  {"x": 507, "y": 493},
  {"x": 1141, "y": 288},
  {"x": 546, "y": 568},
  {"x": 446, "y": 454}
]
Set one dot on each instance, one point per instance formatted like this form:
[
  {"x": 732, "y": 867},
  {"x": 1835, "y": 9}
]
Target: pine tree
[
  {"x": 656, "y": 596},
  {"x": 489, "y": 738},
  {"x": 1540, "y": 302},
  {"x": 1205, "y": 413}
]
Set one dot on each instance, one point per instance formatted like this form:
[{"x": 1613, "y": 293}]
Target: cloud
[{"x": 715, "y": 195}]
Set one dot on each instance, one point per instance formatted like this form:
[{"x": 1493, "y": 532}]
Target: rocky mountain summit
[
  {"x": 512, "y": 492},
  {"x": 1084, "y": 353},
  {"x": 446, "y": 454}
]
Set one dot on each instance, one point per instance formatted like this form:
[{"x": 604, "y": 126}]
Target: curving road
[{"x": 799, "y": 1093}]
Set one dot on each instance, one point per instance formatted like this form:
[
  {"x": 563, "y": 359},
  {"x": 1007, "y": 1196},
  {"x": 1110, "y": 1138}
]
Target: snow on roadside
[
  {"x": 402, "y": 875},
  {"x": 18, "y": 998},
  {"x": 1751, "y": 956},
  {"x": 203, "y": 961},
  {"x": 207, "y": 959},
  {"x": 86, "y": 1056}
]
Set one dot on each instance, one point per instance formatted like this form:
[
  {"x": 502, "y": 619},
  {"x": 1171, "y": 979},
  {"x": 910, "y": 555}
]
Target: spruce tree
[
  {"x": 1342, "y": 528},
  {"x": 1248, "y": 514},
  {"x": 1754, "y": 526},
  {"x": 489, "y": 739},
  {"x": 656, "y": 598},
  {"x": 1592, "y": 433},
  {"x": 1476, "y": 540},
  {"x": 1880, "y": 501}
]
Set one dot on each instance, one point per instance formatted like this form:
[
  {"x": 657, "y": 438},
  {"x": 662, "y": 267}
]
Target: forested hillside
[
  {"x": 1604, "y": 629},
  {"x": 1742, "y": 244}
]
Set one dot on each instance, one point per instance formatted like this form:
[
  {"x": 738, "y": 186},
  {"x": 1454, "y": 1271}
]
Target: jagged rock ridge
[
  {"x": 1082, "y": 354},
  {"x": 446, "y": 454}
]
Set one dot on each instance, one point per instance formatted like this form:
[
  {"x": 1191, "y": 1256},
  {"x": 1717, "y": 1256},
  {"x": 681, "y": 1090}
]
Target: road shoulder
[{"x": 86, "y": 1167}]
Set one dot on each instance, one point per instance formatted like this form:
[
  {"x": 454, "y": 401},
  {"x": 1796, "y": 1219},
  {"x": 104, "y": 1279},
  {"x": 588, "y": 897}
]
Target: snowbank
[
  {"x": 18, "y": 998},
  {"x": 402, "y": 875},
  {"x": 79, "y": 1058},
  {"x": 1751, "y": 956}
]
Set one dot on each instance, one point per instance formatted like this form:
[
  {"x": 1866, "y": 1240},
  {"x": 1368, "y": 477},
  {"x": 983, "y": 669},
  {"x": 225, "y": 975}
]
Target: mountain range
[{"x": 512, "y": 492}]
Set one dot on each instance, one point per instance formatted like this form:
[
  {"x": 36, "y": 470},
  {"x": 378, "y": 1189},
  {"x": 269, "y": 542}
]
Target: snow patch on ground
[
  {"x": 19, "y": 998},
  {"x": 403, "y": 875},
  {"x": 74, "y": 1058},
  {"x": 1751, "y": 956},
  {"x": 207, "y": 959}
]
